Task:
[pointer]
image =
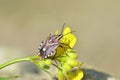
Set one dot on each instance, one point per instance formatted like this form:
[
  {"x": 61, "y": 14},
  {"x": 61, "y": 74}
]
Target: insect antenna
[
  {"x": 62, "y": 28},
  {"x": 69, "y": 33},
  {"x": 61, "y": 34}
]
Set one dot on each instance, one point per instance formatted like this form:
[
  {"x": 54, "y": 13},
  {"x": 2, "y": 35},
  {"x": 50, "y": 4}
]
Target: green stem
[{"x": 30, "y": 58}]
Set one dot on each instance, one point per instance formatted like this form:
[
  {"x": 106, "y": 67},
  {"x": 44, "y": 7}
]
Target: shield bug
[{"x": 48, "y": 47}]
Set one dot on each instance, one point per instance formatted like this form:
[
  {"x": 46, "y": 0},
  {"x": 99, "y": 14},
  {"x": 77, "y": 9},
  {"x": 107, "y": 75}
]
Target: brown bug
[{"x": 48, "y": 47}]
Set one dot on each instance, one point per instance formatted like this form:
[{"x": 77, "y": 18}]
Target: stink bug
[{"x": 48, "y": 47}]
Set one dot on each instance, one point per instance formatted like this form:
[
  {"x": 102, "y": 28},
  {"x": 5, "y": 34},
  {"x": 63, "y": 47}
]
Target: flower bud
[
  {"x": 66, "y": 68},
  {"x": 48, "y": 61},
  {"x": 73, "y": 55},
  {"x": 72, "y": 62}
]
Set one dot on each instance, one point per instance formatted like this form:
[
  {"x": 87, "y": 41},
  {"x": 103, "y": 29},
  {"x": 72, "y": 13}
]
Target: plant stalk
[{"x": 30, "y": 58}]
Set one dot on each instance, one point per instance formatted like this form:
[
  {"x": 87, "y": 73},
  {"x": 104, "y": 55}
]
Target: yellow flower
[
  {"x": 68, "y": 37},
  {"x": 77, "y": 75},
  {"x": 68, "y": 58},
  {"x": 68, "y": 41}
]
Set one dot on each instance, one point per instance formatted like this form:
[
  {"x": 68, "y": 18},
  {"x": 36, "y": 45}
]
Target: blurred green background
[{"x": 25, "y": 23}]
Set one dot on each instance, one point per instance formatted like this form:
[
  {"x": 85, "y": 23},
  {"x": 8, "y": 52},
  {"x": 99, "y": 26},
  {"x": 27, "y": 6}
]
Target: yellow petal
[
  {"x": 68, "y": 41},
  {"x": 78, "y": 75},
  {"x": 60, "y": 50},
  {"x": 66, "y": 30},
  {"x": 68, "y": 37}
]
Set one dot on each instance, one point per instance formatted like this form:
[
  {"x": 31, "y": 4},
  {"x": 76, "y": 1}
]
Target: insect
[{"x": 48, "y": 47}]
